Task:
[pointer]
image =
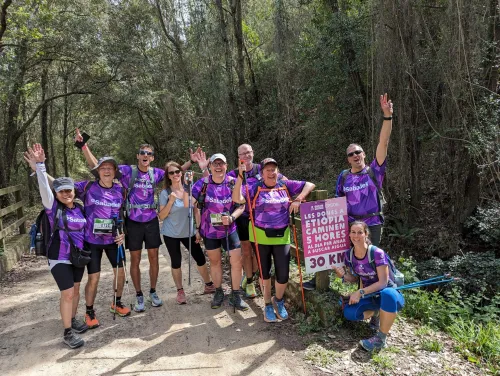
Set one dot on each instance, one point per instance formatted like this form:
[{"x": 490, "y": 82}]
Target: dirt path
[{"x": 171, "y": 340}]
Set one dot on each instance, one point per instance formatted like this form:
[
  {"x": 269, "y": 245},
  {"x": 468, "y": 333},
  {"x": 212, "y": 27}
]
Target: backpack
[
  {"x": 280, "y": 185},
  {"x": 42, "y": 231},
  {"x": 203, "y": 193},
  {"x": 133, "y": 178},
  {"x": 394, "y": 274},
  {"x": 380, "y": 195}
]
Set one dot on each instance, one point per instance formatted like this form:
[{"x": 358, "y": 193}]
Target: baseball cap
[
  {"x": 220, "y": 156},
  {"x": 267, "y": 161},
  {"x": 63, "y": 183}
]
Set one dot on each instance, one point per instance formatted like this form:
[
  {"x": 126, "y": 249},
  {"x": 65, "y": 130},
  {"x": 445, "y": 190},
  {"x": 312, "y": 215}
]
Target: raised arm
[
  {"x": 36, "y": 157},
  {"x": 237, "y": 196},
  {"x": 385, "y": 132},
  {"x": 89, "y": 157}
]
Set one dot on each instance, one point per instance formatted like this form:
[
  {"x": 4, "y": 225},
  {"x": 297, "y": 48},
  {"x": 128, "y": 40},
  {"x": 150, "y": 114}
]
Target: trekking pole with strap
[
  {"x": 115, "y": 225},
  {"x": 298, "y": 261},
  {"x": 190, "y": 216},
  {"x": 226, "y": 227},
  {"x": 121, "y": 250},
  {"x": 261, "y": 277}
]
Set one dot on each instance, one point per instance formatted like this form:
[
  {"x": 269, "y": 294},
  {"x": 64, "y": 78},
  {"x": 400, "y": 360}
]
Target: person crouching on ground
[
  {"x": 381, "y": 309},
  {"x": 271, "y": 207}
]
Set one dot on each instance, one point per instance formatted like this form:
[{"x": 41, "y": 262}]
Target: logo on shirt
[
  {"x": 76, "y": 220},
  {"x": 103, "y": 203},
  {"x": 218, "y": 201},
  {"x": 279, "y": 200},
  {"x": 356, "y": 187}
]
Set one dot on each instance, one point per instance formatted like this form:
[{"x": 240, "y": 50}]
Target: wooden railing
[
  {"x": 17, "y": 207},
  {"x": 322, "y": 278}
]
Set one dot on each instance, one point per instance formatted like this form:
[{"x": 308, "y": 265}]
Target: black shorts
[
  {"x": 66, "y": 275},
  {"x": 142, "y": 232},
  {"x": 94, "y": 266},
  {"x": 234, "y": 242},
  {"x": 242, "y": 228}
]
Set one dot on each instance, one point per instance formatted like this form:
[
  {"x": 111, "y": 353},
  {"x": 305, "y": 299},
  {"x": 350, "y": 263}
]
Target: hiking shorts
[
  {"x": 242, "y": 228},
  {"x": 389, "y": 300},
  {"x": 234, "y": 242},
  {"x": 66, "y": 275},
  {"x": 96, "y": 250},
  {"x": 142, "y": 232}
]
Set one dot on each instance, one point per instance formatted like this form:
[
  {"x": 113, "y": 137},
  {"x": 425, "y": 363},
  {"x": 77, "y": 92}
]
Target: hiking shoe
[
  {"x": 279, "y": 307},
  {"x": 243, "y": 283},
  {"x": 139, "y": 306},
  {"x": 155, "y": 300},
  {"x": 372, "y": 344},
  {"x": 375, "y": 321},
  {"x": 218, "y": 298},
  {"x": 269, "y": 315},
  {"x": 78, "y": 326},
  {"x": 121, "y": 310},
  {"x": 236, "y": 301},
  {"x": 181, "y": 297},
  {"x": 91, "y": 320},
  {"x": 250, "y": 290},
  {"x": 209, "y": 289},
  {"x": 73, "y": 340},
  {"x": 310, "y": 285}
]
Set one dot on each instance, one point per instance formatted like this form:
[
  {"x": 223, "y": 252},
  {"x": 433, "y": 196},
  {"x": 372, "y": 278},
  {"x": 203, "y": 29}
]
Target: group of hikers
[{"x": 244, "y": 211}]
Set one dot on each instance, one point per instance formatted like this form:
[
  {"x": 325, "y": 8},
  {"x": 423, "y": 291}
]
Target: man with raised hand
[
  {"x": 361, "y": 184},
  {"x": 142, "y": 222}
]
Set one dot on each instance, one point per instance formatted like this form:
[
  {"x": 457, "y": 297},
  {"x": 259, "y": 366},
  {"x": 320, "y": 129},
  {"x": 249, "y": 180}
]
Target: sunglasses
[
  {"x": 174, "y": 172},
  {"x": 357, "y": 152},
  {"x": 246, "y": 153},
  {"x": 145, "y": 152}
]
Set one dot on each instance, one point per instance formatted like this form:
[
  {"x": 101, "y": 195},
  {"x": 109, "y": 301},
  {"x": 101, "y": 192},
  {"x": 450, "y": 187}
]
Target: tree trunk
[{"x": 43, "y": 117}]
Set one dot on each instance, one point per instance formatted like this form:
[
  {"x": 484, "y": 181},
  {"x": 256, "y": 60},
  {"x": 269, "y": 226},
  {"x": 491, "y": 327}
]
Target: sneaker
[
  {"x": 78, "y": 326},
  {"x": 236, "y": 301},
  {"x": 139, "y": 306},
  {"x": 374, "y": 343},
  {"x": 269, "y": 315},
  {"x": 181, "y": 297},
  {"x": 91, "y": 320},
  {"x": 209, "y": 289},
  {"x": 218, "y": 298},
  {"x": 73, "y": 340},
  {"x": 243, "y": 283},
  {"x": 279, "y": 307},
  {"x": 121, "y": 310},
  {"x": 310, "y": 285},
  {"x": 250, "y": 290},
  {"x": 155, "y": 300},
  {"x": 375, "y": 321}
]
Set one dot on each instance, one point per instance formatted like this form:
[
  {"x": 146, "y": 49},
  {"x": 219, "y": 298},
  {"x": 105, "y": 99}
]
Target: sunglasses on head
[
  {"x": 357, "y": 152},
  {"x": 145, "y": 152},
  {"x": 174, "y": 172}
]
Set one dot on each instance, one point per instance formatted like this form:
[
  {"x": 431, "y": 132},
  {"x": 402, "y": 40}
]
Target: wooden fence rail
[{"x": 16, "y": 207}]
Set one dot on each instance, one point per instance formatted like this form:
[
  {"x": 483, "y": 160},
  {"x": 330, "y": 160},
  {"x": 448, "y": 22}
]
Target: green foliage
[
  {"x": 408, "y": 267},
  {"x": 401, "y": 230},
  {"x": 485, "y": 223},
  {"x": 382, "y": 361},
  {"x": 310, "y": 323},
  {"x": 432, "y": 345},
  {"x": 320, "y": 356}
]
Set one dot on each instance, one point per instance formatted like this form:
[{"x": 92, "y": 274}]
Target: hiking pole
[
  {"x": 115, "y": 224},
  {"x": 298, "y": 261},
  {"x": 190, "y": 216},
  {"x": 226, "y": 227},
  {"x": 121, "y": 248},
  {"x": 250, "y": 211}
]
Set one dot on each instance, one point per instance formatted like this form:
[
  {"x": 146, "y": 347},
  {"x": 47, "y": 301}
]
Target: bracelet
[
  {"x": 84, "y": 147},
  {"x": 388, "y": 117},
  {"x": 233, "y": 219}
]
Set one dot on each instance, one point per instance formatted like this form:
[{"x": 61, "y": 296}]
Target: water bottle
[{"x": 39, "y": 248}]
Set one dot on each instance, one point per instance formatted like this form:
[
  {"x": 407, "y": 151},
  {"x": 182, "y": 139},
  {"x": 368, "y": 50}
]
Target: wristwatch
[
  {"x": 233, "y": 219},
  {"x": 362, "y": 293}
]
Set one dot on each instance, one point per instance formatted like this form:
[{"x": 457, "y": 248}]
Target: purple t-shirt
[
  {"x": 361, "y": 193},
  {"x": 142, "y": 193},
  {"x": 101, "y": 205},
  {"x": 76, "y": 227},
  {"x": 363, "y": 268},
  {"x": 271, "y": 206},
  {"x": 253, "y": 176},
  {"x": 218, "y": 200}
]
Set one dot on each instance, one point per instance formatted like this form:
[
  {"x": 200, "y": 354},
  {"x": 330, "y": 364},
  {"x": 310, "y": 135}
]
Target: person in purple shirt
[
  {"x": 362, "y": 185},
  {"x": 381, "y": 309},
  {"x": 213, "y": 195},
  {"x": 103, "y": 200},
  {"x": 271, "y": 205},
  {"x": 66, "y": 275}
]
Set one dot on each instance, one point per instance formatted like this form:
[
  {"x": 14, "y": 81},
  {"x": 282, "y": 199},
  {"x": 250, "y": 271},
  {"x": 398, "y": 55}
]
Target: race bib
[
  {"x": 216, "y": 219},
  {"x": 103, "y": 226}
]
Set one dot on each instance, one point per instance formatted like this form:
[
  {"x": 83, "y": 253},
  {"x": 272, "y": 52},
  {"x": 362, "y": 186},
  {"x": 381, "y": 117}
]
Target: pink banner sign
[{"x": 325, "y": 233}]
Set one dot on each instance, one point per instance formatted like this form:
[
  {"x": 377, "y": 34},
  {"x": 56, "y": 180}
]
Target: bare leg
[
  {"x": 91, "y": 288},
  {"x": 177, "y": 276},
  {"x": 76, "y": 297},
  {"x": 203, "y": 270},
  {"x": 246, "y": 247},
  {"x": 386, "y": 321},
  {"x": 280, "y": 289},
  {"x": 66, "y": 306},
  {"x": 135, "y": 271},
  {"x": 214, "y": 256},
  {"x": 154, "y": 266},
  {"x": 236, "y": 271},
  {"x": 121, "y": 281}
]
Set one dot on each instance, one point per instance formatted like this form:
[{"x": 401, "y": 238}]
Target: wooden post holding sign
[{"x": 325, "y": 233}]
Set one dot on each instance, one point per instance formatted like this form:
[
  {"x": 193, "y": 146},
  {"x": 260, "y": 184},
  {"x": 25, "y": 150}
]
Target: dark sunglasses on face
[
  {"x": 145, "y": 152},
  {"x": 357, "y": 152},
  {"x": 174, "y": 172}
]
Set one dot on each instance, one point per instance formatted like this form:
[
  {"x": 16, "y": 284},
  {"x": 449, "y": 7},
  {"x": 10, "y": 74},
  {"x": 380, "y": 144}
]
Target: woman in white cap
[
  {"x": 213, "y": 195},
  {"x": 67, "y": 223}
]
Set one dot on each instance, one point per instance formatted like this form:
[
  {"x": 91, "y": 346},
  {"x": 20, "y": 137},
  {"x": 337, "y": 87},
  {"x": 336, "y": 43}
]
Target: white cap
[{"x": 220, "y": 156}]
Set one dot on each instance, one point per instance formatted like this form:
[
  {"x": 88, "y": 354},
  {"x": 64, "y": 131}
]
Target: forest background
[{"x": 298, "y": 79}]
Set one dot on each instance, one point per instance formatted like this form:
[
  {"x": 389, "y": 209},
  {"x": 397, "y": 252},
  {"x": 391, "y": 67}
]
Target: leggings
[
  {"x": 174, "y": 250},
  {"x": 281, "y": 256},
  {"x": 390, "y": 300}
]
